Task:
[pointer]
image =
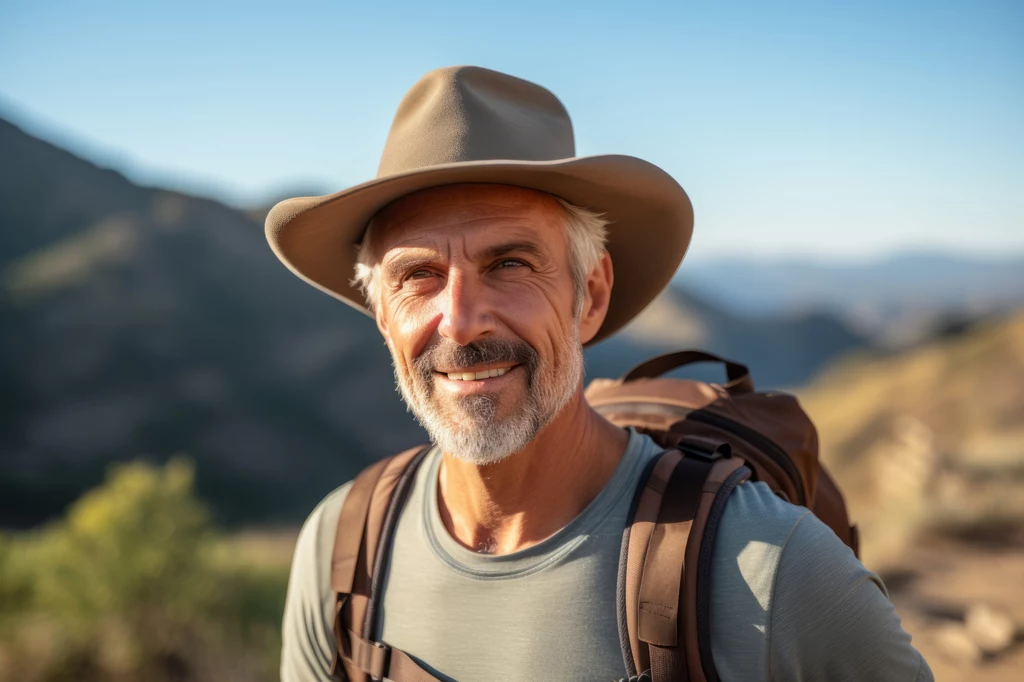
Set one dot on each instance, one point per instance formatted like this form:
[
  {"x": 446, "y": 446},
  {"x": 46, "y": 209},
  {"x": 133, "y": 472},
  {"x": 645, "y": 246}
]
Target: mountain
[
  {"x": 898, "y": 298},
  {"x": 929, "y": 438},
  {"x": 136, "y": 321},
  {"x": 783, "y": 350}
]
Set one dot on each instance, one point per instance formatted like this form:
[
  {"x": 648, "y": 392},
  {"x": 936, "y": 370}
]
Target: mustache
[{"x": 452, "y": 356}]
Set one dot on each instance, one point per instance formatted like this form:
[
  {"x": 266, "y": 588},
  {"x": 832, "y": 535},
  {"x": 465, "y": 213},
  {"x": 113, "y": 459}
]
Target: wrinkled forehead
[{"x": 479, "y": 211}]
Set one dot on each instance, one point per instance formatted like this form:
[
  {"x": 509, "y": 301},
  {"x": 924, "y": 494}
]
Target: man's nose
[{"x": 467, "y": 315}]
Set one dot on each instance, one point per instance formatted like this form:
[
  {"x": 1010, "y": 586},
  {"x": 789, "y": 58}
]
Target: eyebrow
[{"x": 499, "y": 250}]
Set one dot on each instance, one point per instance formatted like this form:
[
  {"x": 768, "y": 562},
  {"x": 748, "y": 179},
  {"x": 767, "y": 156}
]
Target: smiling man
[
  {"x": 484, "y": 314},
  {"x": 489, "y": 255}
]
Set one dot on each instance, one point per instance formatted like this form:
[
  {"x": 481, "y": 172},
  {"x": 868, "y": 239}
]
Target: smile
[
  {"x": 476, "y": 376},
  {"x": 473, "y": 380}
]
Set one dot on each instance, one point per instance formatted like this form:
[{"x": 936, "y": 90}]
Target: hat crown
[{"x": 467, "y": 113}]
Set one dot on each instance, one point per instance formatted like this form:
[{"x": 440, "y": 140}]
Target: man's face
[{"x": 476, "y": 304}]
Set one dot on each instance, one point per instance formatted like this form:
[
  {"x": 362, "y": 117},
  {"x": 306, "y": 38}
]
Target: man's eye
[
  {"x": 510, "y": 263},
  {"x": 419, "y": 274}
]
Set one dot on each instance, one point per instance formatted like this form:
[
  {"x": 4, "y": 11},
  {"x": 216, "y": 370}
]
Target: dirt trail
[{"x": 934, "y": 586}]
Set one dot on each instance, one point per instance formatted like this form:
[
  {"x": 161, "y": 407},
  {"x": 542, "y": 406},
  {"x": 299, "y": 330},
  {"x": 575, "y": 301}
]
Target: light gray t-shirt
[{"x": 789, "y": 601}]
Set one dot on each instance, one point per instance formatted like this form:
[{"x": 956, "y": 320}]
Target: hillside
[
  {"x": 928, "y": 446},
  {"x": 141, "y": 322},
  {"x": 943, "y": 425}
]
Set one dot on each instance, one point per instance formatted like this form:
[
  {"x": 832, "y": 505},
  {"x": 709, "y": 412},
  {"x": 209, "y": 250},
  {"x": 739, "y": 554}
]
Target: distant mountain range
[
  {"x": 136, "y": 321},
  {"x": 894, "y": 297},
  {"x": 782, "y": 350}
]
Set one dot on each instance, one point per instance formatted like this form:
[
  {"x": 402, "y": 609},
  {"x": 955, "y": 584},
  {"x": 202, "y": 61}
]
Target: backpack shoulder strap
[
  {"x": 365, "y": 525},
  {"x": 668, "y": 542}
]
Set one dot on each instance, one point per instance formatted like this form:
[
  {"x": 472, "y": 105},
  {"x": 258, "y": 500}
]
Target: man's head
[
  {"x": 468, "y": 125},
  {"x": 472, "y": 279}
]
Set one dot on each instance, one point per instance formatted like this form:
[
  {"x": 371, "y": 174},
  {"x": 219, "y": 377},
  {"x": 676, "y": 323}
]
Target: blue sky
[{"x": 820, "y": 129}]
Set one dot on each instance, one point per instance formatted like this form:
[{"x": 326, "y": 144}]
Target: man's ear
[{"x": 597, "y": 296}]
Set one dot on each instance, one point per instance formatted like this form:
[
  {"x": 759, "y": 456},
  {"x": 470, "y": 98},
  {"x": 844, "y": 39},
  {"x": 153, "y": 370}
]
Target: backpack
[{"x": 716, "y": 437}]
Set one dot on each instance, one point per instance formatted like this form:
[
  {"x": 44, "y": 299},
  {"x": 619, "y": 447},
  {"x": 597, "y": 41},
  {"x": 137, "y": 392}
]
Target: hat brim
[{"x": 651, "y": 222}]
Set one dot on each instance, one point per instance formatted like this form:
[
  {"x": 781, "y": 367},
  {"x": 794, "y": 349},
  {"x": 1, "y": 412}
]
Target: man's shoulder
[
  {"x": 754, "y": 509},
  {"x": 311, "y": 561},
  {"x": 315, "y": 543},
  {"x": 307, "y": 642},
  {"x": 759, "y": 529},
  {"x": 749, "y": 543},
  {"x": 320, "y": 527},
  {"x": 787, "y": 591},
  {"x": 757, "y": 521}
]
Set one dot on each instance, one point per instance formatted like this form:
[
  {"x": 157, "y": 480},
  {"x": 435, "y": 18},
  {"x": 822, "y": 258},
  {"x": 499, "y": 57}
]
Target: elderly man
[{"x": 487, "y": 254}]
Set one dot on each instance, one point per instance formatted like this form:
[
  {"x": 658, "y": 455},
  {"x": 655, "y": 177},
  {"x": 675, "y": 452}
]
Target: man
[{"x": 489, "y": 256}]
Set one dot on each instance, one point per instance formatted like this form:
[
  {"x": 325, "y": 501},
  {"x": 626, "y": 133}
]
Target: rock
[
  {"x": 955, "y": 644},
  {"x": 993, "y": 630}
]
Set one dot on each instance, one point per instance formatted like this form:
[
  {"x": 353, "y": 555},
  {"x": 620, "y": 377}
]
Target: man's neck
[{"x": 508, "y": 506}]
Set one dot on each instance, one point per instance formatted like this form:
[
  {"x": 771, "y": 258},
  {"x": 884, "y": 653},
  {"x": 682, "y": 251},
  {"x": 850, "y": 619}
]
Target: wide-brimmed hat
[{"x": 472, "y": 125}]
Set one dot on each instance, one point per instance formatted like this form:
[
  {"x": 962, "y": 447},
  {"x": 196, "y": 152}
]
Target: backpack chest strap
[{"x": 379, "y": 661}]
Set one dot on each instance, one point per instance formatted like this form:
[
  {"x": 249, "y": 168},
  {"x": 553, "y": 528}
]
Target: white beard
[{"x": 469, "y": 427}]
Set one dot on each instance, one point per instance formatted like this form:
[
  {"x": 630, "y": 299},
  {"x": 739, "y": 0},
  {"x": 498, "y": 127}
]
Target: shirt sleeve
[
  {"x": 831, "y": 617},
  {"x": 307, "y": 630}
]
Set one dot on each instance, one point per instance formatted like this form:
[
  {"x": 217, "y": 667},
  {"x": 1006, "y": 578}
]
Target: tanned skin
[{"x": 447, "y": 271}]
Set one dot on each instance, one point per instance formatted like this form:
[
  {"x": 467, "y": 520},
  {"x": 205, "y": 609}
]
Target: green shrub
[
  {"x": 17, "y": 580},
  {"x": 132, "y": 549},
  {"x": 136, "y": 583}
]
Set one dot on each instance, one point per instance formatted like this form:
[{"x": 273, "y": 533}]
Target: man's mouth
[{"x": 471, "y": 375}]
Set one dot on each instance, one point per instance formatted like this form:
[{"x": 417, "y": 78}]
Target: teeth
[{"x": 471, "y": 376}]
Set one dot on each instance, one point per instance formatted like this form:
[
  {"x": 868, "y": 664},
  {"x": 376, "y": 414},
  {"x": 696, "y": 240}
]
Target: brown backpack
[{"x": 717, "y": 437}]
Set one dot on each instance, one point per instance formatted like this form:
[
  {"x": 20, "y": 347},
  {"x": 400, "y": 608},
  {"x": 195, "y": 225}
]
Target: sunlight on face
[{"x": 476, "y": 304}]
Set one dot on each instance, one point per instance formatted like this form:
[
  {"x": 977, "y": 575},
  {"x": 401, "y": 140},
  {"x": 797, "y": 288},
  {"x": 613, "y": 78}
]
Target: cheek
[
  {"x": 540, "y": 295},
  {"x": 542, "y": 318},
  {"x": 410, "y": 324}
]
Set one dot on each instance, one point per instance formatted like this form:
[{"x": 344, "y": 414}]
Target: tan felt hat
[{"x": 467, "y": 124}]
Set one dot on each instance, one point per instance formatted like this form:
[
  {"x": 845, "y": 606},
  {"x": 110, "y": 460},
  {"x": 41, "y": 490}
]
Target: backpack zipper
[{"x": 758, "y": 440}]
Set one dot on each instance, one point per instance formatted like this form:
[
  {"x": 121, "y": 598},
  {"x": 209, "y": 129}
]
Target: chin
[{"x": 485, "y": 442}]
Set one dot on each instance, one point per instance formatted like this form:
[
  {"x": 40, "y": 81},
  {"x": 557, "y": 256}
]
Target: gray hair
[{"x": 586, "y": 233}]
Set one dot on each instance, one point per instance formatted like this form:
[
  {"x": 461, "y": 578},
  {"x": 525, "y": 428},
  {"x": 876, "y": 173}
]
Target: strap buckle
[
  {"x": 368, "y": 656},
  {"x": 724, "y": 450},
  {"x": 377, "y": 659}
]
